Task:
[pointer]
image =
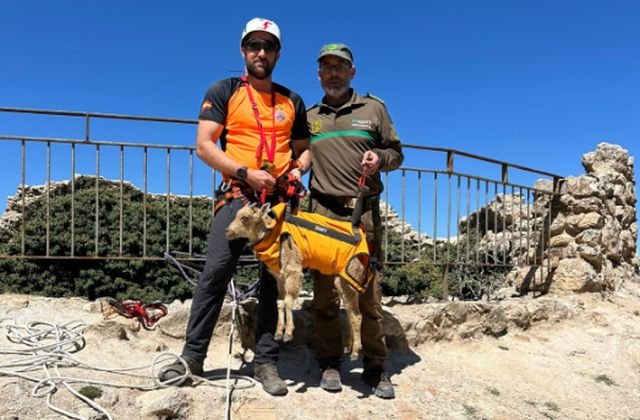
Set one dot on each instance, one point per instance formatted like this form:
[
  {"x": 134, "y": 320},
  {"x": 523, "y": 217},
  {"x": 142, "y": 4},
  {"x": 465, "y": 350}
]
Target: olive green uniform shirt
[{"x": 339, "y": 138}]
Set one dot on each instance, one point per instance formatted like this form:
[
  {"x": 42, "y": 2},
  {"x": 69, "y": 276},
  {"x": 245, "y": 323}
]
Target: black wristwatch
[{"x": 241, "y": 173}]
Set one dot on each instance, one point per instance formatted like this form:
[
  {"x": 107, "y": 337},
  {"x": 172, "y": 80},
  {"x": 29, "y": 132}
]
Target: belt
[
  {"x": 342, "y": 203},
  {"x": 242, "y": 191}
]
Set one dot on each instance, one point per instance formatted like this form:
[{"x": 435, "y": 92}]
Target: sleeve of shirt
[
  {"x": 300, "y": 129},
  {"x": 390, "y": 148},
  {"x": 214, "y": 104}
]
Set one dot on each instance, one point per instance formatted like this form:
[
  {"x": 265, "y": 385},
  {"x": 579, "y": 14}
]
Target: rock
[
  {"x": 575, "y": 275},
  {"x": 174, "y": 324},
  {"x": 165, "y": 403},
  {"x": 108, "y": 329},
  {"x": 496, "y": 323}
]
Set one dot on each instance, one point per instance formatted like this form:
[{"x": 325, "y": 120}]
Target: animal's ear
[
  {"x": 269, "y": 219},
  {"x": 265, "y": 209}
]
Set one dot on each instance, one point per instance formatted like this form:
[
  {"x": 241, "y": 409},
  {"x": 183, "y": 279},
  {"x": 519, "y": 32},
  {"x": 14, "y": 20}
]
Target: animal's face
[{"x": 251, "y": 223}]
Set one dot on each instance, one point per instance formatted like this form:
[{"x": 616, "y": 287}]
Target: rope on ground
[{"x": 46, "y": 348}]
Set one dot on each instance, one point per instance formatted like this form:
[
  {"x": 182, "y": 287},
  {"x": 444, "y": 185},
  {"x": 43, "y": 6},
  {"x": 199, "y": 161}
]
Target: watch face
[{"x": 241, "y": 173}]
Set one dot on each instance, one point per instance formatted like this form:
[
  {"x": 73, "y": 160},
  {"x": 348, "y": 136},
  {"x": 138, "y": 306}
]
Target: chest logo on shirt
[
  {"x": 316, "y": 127},
  {"x": 280, "y": 114},
  {"x": 361, "y": 123}
]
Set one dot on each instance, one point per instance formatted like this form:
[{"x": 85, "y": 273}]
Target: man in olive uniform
[{"x": 352, "y": 136}]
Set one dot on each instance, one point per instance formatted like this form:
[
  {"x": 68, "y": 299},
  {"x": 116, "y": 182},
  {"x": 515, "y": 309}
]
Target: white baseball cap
[{"x": 263, "y": 25}]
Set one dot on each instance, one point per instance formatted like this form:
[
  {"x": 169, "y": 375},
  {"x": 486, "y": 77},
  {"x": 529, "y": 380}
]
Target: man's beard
[
  {"x": 335, "y": 92},
  {"x": 260, "y": 73}
]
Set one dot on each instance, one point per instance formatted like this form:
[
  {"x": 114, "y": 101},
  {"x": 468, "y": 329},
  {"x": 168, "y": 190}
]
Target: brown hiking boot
[
  {"x": 176, "y": 374},
  {"x": 331, "y": 380},
  {"x": 379, "y": 382},
  {"x": 267, "y": 374}
]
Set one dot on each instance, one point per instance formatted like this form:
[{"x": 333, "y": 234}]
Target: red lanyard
[{"x": 271, "y": 152}]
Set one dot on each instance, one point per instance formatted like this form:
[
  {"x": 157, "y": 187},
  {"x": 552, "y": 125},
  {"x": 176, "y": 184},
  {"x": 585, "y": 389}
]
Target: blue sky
[{"x": 538, "y": 83}]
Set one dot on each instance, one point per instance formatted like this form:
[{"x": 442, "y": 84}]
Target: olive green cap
[{"x": 339, "y": 50}]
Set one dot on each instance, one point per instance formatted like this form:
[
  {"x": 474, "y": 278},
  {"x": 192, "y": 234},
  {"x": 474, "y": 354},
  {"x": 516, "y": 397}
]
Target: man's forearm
[
  {"x": 215, "y": 158},
  {"x": 390, "y": 158}
]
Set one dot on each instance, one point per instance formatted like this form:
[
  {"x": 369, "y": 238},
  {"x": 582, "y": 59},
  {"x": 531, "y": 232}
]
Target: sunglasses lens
[
  {"x": 255, "y": 45},
  {"x": 338, "y": 68}
]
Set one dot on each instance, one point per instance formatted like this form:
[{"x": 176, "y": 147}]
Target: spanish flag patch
[{"x": 206, "y": 105}]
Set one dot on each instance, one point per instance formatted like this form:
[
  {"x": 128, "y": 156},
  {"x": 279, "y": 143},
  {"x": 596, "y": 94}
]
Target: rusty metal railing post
[
  {"x": 121, "y": 207},
  {"x": 87, "y": 128},
  {"x": 23, "y": 186},
  {"x": 96, "y": 226},
  {"x": 48, "y": 204},
  {"x": 73, "y": 200},
  {"x": 144, "y": 200},
  {"x": 445, "y": 282}
]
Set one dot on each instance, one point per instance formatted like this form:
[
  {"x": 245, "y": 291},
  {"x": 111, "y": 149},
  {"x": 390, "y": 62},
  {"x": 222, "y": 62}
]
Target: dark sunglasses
[
  {"x": 255, "y": 45},
  {"x": 341, "y": 67}
]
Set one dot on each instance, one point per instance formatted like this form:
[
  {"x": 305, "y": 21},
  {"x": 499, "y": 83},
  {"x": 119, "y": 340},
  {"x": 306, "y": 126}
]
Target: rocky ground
[{"x": 575, "y": 357}]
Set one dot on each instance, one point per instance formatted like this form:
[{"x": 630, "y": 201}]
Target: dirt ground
[{"x": 586, "y": 367}]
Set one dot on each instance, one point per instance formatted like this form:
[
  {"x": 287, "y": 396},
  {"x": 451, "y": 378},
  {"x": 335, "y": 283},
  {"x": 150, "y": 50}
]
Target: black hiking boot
[
  {"x": 331, "y": 380},
  {"x": 379, "y": 382},
  {"x": 172, "y": 374},
  {"x": 267, "y": 374}
]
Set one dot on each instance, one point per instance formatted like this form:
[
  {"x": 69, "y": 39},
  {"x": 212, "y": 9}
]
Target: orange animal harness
[{"x": 326, "y": 245}]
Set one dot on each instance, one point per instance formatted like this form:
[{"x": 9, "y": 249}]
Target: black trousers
[{"x": 222, "y": 257}]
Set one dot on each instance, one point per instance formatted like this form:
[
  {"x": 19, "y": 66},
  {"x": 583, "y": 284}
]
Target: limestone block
[
  {"x": 627, "y": 245},
  {"x": 106, "y": 330},
  {"x": 582, "y": 186},
  {"x": 627, "y": 216},
  {"x": 543, "y": 184},
  {"x": 591, "y": 254},
  {"x": 629, "y": 195},
  {"x": 558, "y": 224},
  {"x": 567, "y": 201},
  {"x": 526, "y": 279},
  {"x": 539, "y": 310},
  {"x": 175, "y": 323},
  {"x": 456, "y": 312},
  {"x": 590, "y": 221},
  {"x": 611, "y": 246},
  {"x": 608, "y": 158},
  {"x": 586, "y": 205},
  {"x": 579, "y": 222},
  {"x": 615, "y": 179},
  {"x": 518, "y": 315},
  {"x": 575, "y": 275},
  {"x": 569, "y": 251},
  {"x": 590, "y": 237},
  {"x": 496, "y": 323},
  {"x": 560, "y": 241},
  {"x": 165, "y": 403}
]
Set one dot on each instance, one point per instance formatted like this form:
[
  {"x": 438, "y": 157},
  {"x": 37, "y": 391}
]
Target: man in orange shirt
[{"x": 262, "y": 127}]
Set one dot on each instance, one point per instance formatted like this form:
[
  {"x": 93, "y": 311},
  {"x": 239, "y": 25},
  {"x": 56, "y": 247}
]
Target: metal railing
[{"x": 466, "y": 209}]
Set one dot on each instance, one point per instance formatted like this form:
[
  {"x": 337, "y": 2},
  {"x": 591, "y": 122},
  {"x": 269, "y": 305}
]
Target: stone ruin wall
[{"x": 593, "y": 230}]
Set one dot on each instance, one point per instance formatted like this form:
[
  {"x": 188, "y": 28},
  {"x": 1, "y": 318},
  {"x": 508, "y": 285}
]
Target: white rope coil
[{"x": 44, "y": 350}]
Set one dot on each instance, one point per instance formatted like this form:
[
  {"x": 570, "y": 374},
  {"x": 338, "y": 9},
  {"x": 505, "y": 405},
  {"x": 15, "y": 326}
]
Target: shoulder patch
[
  {"x": 316, "y": 127},
  {"x": 369, "y": 95}
]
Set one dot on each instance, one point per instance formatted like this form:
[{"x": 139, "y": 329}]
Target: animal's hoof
[
  {"x": 288, "y": 337},
  {"x": 278, "y": 337}
]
